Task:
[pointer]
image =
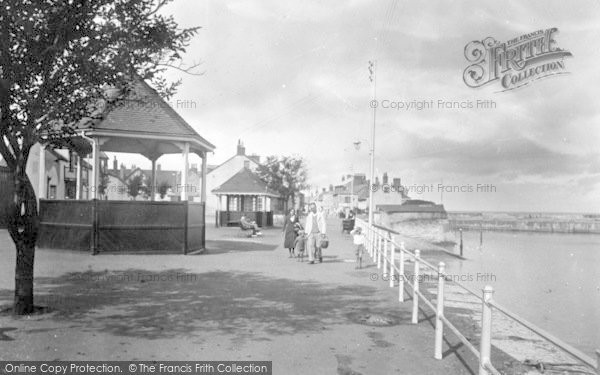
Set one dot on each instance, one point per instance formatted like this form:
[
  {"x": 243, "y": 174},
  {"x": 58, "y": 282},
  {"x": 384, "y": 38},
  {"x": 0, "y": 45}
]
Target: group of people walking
[{"x": 310, "y": 237}]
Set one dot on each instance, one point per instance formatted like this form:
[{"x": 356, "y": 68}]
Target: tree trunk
[
  {"x": 285, "y": 205},
  {"x": 23, "y": 225}
]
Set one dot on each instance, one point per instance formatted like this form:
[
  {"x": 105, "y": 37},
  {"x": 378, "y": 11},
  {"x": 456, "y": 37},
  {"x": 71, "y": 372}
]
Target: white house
[
  {"x": 116, "y": 188},
  {"x": 60, "y": 173},
  {"x": 225, "y": 171}
]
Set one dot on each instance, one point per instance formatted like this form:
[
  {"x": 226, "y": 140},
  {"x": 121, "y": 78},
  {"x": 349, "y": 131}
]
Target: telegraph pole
[{"x": 372, "y": 78}]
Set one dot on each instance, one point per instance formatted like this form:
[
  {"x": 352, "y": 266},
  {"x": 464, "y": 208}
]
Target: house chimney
[
  {"x": 385, "y": 178},
  {"x": 122, "y": 171},
  {"x": 397, "y": 183},
  {"x": 115, "y": 164},
  {"x": 377, "y": 181},
  {"x": 158, "y": 167},
  {"x": 241, "y": 150},
  {"x": 194, "y": 167},
  {"x": 255, "y": 158}
]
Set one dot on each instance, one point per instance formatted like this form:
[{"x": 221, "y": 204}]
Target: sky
[{"x": 291, "y": 78}]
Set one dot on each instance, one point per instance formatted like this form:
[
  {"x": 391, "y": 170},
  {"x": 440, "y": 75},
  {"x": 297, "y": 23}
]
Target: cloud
[
  {"x": 291, "y": 78},
  {"x": 510, "y": 156}
]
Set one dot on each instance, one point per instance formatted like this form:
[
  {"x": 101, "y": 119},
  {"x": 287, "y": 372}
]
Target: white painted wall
[
  {"x": 54, "y": 171},
  {"x": 33, "y": 166},
  {"x": 220, "y": 175},
  {"x": 116, "y": 189},
  {"x": 391, "y": 197}
]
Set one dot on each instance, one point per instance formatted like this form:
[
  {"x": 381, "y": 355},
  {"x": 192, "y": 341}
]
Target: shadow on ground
[
  {"x": 175, "y": 303},
  {"x": 3, "y": 336},
  {"x": 237, "y": 246}
]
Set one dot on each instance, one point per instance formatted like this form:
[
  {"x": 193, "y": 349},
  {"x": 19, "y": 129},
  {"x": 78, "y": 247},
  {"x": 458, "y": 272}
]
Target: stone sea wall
[
  {"x": 428, "y": 227},
  {"x": 548, "y": 223}
]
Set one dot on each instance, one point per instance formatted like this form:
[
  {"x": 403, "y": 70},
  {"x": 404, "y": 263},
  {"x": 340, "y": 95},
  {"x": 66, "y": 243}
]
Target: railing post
[
  {"x": 370, "y": 237},
  {"x": 385, "y": 262},
  {"x": 486, "y": 330},
  {"x": 378, "y": 249},
  {"x": 415, "y": 310},
  {"x": 439, "y": 324},
  {"x": 392, "y": 251},
  {"x": 401, "y": 275},
  {"x": 366, "y": 230},
  {"x": 373, "y": 242}
]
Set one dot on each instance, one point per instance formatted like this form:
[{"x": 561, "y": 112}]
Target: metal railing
[{"x": 381, "y": 246}]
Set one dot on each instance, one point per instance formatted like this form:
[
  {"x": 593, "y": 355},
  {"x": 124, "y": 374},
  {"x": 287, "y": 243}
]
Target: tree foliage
[
  {"x": 64, "y": 64},
  {"x": 286, "y": 175},
  {"x": 163, "y": 188},
  {"x": 135, "y": 186},
  {"x": 59, "y": 57}
]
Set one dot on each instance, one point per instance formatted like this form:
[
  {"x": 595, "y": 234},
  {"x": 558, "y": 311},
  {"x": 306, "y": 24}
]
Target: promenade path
[{"x": 244, "y": 299}]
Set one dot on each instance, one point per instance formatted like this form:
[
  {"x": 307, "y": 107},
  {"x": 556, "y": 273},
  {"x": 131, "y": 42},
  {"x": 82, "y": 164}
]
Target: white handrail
[
  {"x": 439, "y": 323},
  {"x": 379, "y": 236}
]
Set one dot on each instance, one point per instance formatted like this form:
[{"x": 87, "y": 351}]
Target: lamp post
[
  {"x": 372, "y": 78},
  {"x": 357, "y": 144},
  {"x": 351, "y": 188},
  {"x": 356, "y": 147}
]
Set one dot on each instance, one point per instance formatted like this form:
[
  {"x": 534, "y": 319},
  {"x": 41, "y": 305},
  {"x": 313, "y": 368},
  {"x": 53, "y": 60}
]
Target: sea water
[{"x": 552, "y": 280}]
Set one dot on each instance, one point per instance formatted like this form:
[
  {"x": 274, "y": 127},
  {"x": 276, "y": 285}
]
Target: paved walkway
[{"x": 242, "y": 300}]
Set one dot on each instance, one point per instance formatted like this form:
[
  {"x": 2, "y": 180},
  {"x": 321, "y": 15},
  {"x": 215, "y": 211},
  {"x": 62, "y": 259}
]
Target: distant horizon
[{"x": 524, "y": 212}]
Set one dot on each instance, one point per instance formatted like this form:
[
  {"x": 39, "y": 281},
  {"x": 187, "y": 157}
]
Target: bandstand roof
[{"x": 145, "y": 125}]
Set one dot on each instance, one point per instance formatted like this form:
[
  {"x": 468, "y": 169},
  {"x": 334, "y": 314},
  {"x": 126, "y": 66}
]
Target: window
[
  {"x": 233, "y": 203},
  {"x": 52, "y": 192},
  {"x": 70, "y": 189},
  {"x": 248, "y": 204},
  {"x": 259, "y": 205},
  {"x": 72, "y": 161}
]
